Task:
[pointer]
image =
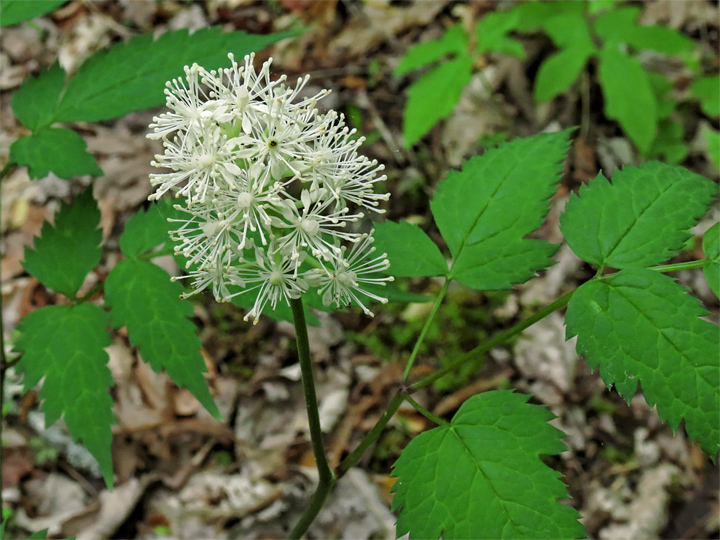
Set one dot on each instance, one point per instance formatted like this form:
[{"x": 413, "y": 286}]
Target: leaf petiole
[
  {"x": 427, "y": 414},
  {"x": 423, "y": 332}
]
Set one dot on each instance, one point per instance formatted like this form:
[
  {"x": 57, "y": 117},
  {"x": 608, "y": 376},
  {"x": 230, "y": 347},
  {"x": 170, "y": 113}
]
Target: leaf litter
[{"x": 251, "y": 475}]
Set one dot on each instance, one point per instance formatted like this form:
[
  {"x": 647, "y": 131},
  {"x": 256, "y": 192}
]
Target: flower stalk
[{"x": 326, "y": 477}]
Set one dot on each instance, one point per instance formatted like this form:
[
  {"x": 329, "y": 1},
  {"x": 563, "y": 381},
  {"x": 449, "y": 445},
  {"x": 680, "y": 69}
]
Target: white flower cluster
[{"x": 266, "y": 182}]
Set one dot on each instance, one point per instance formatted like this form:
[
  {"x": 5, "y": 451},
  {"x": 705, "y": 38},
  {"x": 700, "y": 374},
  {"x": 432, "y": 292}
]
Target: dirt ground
[{"x": 181, "y": 474}]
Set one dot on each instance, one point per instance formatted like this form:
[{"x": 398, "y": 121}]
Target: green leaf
[
  {"x": 570, "y": 32},
  {"x": 142, "y": 297},
  {"x": 17, "y": 11},
  {"x": 453, "y": 41},
  {"x": 669, "y": 142},
  {"x": 492, "y": 32},
  {"x": 533, "y": 15},
  {"x": 712, "y": 138},
  {"x": 707, "y": 90},
  {"x": 409, "y": 249},
  {"x": 598, "y": 6},
  {"x": 434, "y": 96},
  {"x": 619, "y": 26},
  {"x": 65, "y": 344},
  {"x": 145, "y": 230},
  {"x": 558, "y": 72},
  {"x": 64, "y": 253},
  {"x": 639, "y": 220},
  {"x": 711, "y": 247},
  {"x": 34, "y": 103},
  {"x": 629, "y": 97},
  {"x": 132, "y": 76},
  {"x": 640, "y": 326},
  {"x": 57, "y": 150},
  {"x": 481, "y": 475},
  {"x": 662, "y": 88},
  {"x": 485, "y": 211}
]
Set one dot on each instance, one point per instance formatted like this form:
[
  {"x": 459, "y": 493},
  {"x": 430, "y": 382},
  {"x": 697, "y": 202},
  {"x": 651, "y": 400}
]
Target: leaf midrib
[
  {"x": 451, "y": 274},
  {"x": 478, "y": 468},
  {"x": 624, "y": 234}
]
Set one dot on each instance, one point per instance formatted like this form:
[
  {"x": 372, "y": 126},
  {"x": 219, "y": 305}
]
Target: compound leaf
[
  {"x": 57, "y": 150},
  {"x": 411, "y": 252},
  {"x": 711, "y": 247},
  {"x": 640, "y": 219},
  {"x": 64, "y": 253},
  {"x": 485, "y": 211},
  {"x": 629, "y": 96},
  {"x": 640, "y": 326},
  {"x": 142, "y": 297},
  {"x": 146, "y": 230},
  {"x": 481, "y": 477},
  {"x": 433, "y": 96},
  {"x": 65, "y": 344},
  {"x": 453, "y": 41},
  {"x": 132, "y": 76},
  {"x": 17, "y": 11},
  {"x": 34, "y": 103}
]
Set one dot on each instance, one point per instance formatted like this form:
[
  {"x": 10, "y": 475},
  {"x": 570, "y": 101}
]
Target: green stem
[
  {"x": 7, "y": 170},
  {"x": 93, "y": 290},
  {"x": 498, "y": 339},
  {"x": 162, "y": 252},
  {"x": 690, "y": 265},
  {"x": 585, "y": 98},
  {"x": 350, "y": 461},
  {"x": 327, "y": 478},
  {"x": 3, "y": 368},
  {"x": 426, "y": 327},
  {"x": 311, "y": 511},
  {"x": 427, "y": 414}
]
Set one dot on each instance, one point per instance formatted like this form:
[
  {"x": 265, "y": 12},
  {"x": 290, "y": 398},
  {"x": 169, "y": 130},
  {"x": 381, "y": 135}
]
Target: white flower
[
  {"x": 267, "y": 181},
  {"x": 187, "y": 105},
  {"x": 309, "y": 228},
  {"x": 274, "y": 277},
  {"x": 204, "y": 165},
  {"x": 343, "y": 278}
]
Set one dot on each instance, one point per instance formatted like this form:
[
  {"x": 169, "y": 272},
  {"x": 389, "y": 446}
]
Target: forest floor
[{"x": 181, "y": 474}]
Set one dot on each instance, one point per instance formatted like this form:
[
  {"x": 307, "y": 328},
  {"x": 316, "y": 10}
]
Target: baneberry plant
[{"x": 270, "y": 195}]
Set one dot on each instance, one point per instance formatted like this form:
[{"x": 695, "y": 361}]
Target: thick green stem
[
  {"x": 327, "y": 478},
  {"x": 498, "y": 339},
  {"x": 426, "y": 327},
  {"x": 313, "y": 508}
]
